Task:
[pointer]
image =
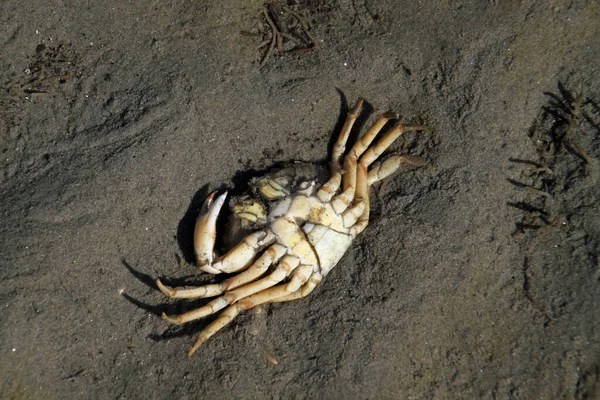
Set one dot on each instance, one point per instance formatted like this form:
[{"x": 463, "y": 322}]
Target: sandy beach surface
[{"x": 478, "y": 275}]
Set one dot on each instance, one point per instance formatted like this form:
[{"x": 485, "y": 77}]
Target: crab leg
[
  {"x": 385, "y": 142},
  {"x": 344, "y": 199},
  {"x": 284, "y": 268},
  {"x": 266, "y": 296},
  {"x": 362, "y": 177},
  {"x": 340, "y": 145},
  {"x": 271, "y": 256},
  {"x": 205, "y": 231},
  {"x": 362, "y": 195},
  {"x": 351, "y": 215},
  {"x": 329, "y": 189},
  {"x": 242, "y": 255},
  {"x": 268, "y": 258},
  {"x": 304, "y": 291},
  {"x": 391, "y": 165}
]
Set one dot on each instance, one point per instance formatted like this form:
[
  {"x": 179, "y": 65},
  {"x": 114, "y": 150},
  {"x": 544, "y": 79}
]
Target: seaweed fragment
[{"x": 287, "y": 31}]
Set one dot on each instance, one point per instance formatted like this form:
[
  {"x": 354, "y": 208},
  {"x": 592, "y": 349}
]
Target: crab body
[{"x": 294, "y": 229}]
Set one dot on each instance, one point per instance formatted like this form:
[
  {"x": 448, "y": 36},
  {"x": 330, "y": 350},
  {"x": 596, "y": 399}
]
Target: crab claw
[{"x": 205, "y": 231}]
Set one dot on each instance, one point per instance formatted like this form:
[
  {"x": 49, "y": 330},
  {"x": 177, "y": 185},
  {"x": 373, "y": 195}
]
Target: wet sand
[{"x": 477, "y": 277}]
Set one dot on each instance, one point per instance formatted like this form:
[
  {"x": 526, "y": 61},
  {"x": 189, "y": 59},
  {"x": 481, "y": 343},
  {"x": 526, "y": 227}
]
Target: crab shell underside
[{"x": 270, "y": 196}]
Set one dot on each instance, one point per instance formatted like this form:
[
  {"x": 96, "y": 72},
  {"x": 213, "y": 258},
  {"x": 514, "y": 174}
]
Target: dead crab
[{"x": 302, "y": 237}]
